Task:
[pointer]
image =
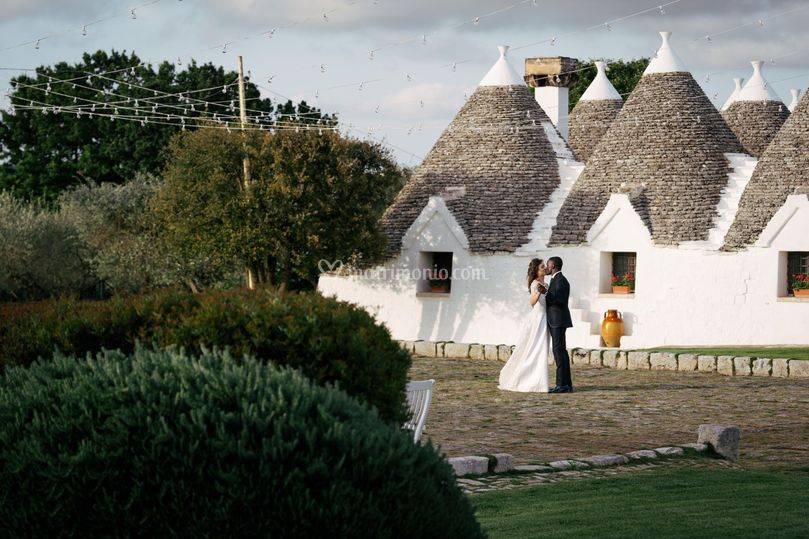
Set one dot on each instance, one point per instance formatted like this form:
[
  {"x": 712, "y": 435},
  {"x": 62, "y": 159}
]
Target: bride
[{"x": 527, "y": 368}]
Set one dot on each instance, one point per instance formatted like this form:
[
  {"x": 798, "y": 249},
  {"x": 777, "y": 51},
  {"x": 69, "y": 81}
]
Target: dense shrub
[
  {"x": 166, "y": 444},
  {"x": 95, "y": 240},
  {"x": 330, "y": 341},
  {"x": 41, "y": 253}
]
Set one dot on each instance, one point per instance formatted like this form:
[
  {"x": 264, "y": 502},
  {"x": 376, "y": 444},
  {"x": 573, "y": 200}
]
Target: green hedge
[
  {"x": 165, "y": 444},
  {"x": 330, "y": 341}
]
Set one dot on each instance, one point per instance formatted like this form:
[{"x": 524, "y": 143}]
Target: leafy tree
[
  {"x": 43, "y": 153},
  {"x": 41, "y": 253},
  {"x": 314, "y": 196},
  {"x": 623, "y": 74}
]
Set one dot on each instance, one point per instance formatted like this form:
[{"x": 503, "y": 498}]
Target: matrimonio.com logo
[{"x": 383, "y": 273}]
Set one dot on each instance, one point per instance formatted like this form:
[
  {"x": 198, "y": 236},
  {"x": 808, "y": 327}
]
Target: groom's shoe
[
  {"x": 554, "y": 389},
  {"x": 565, "y": 389}
]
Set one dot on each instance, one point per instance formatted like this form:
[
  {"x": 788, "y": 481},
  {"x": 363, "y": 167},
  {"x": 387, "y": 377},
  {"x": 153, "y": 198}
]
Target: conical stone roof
[
  {"x": 669, "y": 139},
  {"x": 796, "y": 97},
  {"x": 593, "y": 114},
  {"x": 783, "y": 166},
  {"x": 756, "y": 113},
  {"x": 496, "y": 159},
  {"x": 737, "y": 87}
]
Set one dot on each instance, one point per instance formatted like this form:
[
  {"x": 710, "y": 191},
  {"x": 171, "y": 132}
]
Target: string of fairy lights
[{"x": 120, "y": 96}]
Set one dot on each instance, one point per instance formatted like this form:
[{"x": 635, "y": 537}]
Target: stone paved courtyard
[
  {"x": 487, "y": 483},
  {"x": 613, "y": 411}
]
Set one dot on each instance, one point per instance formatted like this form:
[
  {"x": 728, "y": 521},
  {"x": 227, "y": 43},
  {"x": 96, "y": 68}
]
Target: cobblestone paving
[
  {"x": 488, "y": 483},
  {"x": 613, "y": 411}
]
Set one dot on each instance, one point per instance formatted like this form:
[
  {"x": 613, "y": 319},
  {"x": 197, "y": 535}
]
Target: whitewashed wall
[{"x": 682, "y": 296}]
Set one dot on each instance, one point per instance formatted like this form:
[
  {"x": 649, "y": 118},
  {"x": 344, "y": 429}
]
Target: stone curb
[
  {"x": 503, "y": 462},
  {"x": 627, "y": 359}
]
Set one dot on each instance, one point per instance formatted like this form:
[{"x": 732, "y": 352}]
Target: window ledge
[
  {"x": 792, "y": 299},
  {"x": 433, "y": 294},
  {"x": 614, "y": 296}
]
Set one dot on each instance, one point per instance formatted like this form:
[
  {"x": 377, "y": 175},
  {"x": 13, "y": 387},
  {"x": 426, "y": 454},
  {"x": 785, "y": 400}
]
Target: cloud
[
  {"x": 67, "y": 11},
  {"x": 425, "y": 101}
]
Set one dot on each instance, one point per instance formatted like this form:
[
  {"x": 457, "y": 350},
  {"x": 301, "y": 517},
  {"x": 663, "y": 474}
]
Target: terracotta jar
[
  {"x": 612, "y": 328},
  {"x": 802, "y": 293}
]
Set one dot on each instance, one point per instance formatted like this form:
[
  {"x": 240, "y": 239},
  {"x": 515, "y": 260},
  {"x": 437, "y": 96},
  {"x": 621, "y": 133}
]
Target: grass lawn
[
  {"x": 665, "y": 503},
  {"x": 796, "y": 352}
]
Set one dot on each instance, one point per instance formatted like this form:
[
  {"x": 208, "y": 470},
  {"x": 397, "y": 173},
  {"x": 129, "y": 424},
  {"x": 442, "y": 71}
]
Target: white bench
[{"x": 419, "y": 395}]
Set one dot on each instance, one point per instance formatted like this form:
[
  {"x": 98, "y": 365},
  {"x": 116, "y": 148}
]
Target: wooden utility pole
[
  {"x": 249, "y": 277},
  {"x": 243, "y": 120}
]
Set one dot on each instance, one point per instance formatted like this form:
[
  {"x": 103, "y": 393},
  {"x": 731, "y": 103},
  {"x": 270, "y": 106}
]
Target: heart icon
[{"x": 326, "y": 266}]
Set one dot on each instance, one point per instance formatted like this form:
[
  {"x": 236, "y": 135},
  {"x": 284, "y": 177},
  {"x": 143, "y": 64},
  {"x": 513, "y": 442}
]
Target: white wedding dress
[{"x": 527, "y": 368}]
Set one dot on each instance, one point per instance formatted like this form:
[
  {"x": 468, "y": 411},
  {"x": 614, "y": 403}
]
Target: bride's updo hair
[{"x": 533, "y": 266}]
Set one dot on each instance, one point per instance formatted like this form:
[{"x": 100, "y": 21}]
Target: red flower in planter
[{"x": 800, "y": 281}]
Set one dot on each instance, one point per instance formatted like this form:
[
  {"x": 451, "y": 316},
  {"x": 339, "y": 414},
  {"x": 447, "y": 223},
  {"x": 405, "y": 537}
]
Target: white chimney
[{"x": 551, "y": 77}]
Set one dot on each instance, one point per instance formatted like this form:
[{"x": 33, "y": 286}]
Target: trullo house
[{"x": 666, "y": 192}]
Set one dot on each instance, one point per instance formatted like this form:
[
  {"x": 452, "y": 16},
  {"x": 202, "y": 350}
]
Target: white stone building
[{"x": 711, "y": 233}]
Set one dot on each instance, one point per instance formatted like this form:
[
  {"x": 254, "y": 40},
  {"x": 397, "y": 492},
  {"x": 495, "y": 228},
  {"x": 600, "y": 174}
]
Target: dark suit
[{"x": 559, "y": 320}]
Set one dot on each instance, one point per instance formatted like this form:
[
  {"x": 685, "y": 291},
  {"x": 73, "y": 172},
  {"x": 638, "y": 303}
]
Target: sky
[{"x": 427, "y": 54}]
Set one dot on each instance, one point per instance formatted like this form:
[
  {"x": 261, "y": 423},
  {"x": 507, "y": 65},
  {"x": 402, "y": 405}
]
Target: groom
[{"x": 558, "y": 321}]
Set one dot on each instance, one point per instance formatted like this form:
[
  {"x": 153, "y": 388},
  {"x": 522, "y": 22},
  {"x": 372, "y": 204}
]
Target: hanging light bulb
[
  {"x": 662, "y": 10},
  {"x": 84, "y": 30},
  {"x": 424, "y": 39},
  {"x": 48, "y": 88},
  {"x": 132, "y": 13},
  {"x": 371, "y": 55},
  {"x": 476, "y": 21},
  {"x": 89, "y": 79},
  {"x": 225, "y": 89},
  {"x": 225, "y": 48},
  {"x": 325, "y": 17},
  {"x": 36, "y": 44},
  {"x": 271, "y": 33}
]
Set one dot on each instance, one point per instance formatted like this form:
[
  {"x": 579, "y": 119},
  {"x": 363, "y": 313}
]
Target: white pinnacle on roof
[
  {"x": 665, "y": 59},
  {"x": 757, "y": 88},
  {"x": 501, "y": 73},
  {"x": 734, "y": 94},
  {"x": 601, "y": 89},
  {"x": 796, "y": 96}
]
